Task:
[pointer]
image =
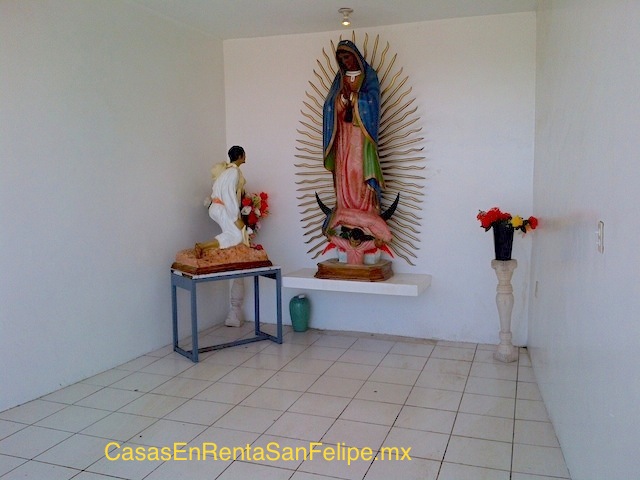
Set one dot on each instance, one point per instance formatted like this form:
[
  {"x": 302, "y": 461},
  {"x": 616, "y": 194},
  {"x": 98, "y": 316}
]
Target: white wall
[
  {"x": 584, "y": 332},
  {"x": 109, "y": 118},
  {"x": 474, "y": 80}
]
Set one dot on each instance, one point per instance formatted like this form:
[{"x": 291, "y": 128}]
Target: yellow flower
[{"x": 517, "y": 221}]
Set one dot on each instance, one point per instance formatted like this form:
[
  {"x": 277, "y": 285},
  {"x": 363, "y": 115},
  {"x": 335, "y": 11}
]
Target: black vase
[{"x": 503, "y": 240}]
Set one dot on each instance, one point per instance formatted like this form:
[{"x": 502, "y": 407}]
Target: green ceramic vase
[{"x": 300, "y": 311}]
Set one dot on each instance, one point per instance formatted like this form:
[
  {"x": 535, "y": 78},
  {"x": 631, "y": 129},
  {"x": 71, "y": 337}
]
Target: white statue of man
[{"x": 226, "y": 195}]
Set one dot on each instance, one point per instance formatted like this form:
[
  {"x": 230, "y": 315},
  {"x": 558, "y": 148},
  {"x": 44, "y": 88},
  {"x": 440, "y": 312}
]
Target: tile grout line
[
  {"x": 515, "y": 406},
  {"x": 399, "y": 411},
  {"x": 455, "y": 418},
  {"x": 347, "y": 405}
]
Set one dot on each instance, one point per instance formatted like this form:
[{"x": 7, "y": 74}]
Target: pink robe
[{"x": 356, "y": 205}]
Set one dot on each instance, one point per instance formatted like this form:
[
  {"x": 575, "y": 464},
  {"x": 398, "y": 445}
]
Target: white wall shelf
[{"x": 403, "y": 284}]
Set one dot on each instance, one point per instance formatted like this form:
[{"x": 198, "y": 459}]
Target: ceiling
[{"x": 228, "y": 19}]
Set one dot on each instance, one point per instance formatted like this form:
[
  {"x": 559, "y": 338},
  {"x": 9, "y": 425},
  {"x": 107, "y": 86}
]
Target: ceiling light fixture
[{"x": 345, "y": 12}]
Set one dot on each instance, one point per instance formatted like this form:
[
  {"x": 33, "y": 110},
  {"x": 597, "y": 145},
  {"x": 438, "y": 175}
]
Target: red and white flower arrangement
[{"x": 253, "y": 208}]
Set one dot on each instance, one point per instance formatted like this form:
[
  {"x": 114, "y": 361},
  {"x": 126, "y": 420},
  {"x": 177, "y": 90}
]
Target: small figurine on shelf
[
  {"x": 231, "y": 249},
  {"x": 226, "y": 195}
]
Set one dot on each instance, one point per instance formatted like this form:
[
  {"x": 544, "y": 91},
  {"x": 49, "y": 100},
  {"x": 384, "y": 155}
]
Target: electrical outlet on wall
[{"x": 600, "y": 237}]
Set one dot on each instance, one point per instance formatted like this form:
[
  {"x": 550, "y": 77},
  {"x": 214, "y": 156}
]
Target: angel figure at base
[{"x": 226, "y": 195}]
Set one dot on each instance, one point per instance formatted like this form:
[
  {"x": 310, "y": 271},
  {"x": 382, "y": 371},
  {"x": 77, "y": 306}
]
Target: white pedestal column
[
  {"x": 506, "y": 352},
  {"x": 236, "y": 298}
]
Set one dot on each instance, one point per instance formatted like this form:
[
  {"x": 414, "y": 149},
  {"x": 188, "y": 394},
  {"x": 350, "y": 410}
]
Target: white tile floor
[{"x": 462, "y": 414}]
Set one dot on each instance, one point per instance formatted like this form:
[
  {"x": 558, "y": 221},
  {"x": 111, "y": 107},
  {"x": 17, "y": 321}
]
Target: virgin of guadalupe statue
[{"x": 351, "y": 120}]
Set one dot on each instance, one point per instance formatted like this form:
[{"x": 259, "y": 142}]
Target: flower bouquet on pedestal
[{"x": 504, "y": 225}]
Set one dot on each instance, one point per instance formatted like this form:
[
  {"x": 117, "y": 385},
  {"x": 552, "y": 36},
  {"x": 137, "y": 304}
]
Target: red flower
[
  {"x": 485, "y": 220},
  {"x": 492, "y": 215},
  {"x": 257, "y": 207}
]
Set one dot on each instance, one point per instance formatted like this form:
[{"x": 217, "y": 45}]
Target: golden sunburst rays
[{"x": 399, "y": 149}]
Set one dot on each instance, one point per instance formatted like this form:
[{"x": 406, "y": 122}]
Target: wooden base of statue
[
  {"x": 217, "y": 260},
  {"x": 218, "y": 268},
  {"x": 239, "y": 257},
  {"x": 335, "y": 270}
]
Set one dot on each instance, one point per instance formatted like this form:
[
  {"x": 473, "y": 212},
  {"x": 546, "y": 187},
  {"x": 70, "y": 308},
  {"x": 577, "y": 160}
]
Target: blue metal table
[{"x": 189, "y": 282}]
